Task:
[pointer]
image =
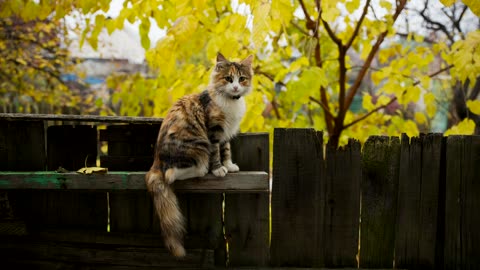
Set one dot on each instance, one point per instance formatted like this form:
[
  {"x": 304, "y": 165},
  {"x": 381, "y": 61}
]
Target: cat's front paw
[
  {"x": 220, "y": 171},
  {"x": 231, "y": 167}
]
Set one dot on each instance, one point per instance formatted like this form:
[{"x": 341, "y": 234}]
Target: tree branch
[
  {"x": 356, "y": 85},
  {"x": 393, "y": 99},
  {"x": 359, "y": 24},
  {"x": 323, "y": 105},
  {"x": 300, "y": 29},
  {"x": 439, "y": 26},
  {"x": 369, "y": 113},
  {"x": 305, "y": 12},
  {"x": 331, "y": 34}
]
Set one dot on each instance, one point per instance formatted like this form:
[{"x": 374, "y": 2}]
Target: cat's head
[{"x": 232, "y": 79}]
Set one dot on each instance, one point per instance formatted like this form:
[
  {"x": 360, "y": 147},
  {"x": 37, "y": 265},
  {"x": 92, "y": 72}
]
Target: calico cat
[{"x": 194, "y": 139}]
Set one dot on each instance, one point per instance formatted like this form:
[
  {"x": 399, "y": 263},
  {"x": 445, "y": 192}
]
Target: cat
[{"x": 194, "y": 139}]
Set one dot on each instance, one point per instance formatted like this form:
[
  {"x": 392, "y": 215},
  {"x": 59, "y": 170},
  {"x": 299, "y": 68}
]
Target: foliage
[
  {"x": 314, "y": 60},
  {"x": 31, "y": 61}
]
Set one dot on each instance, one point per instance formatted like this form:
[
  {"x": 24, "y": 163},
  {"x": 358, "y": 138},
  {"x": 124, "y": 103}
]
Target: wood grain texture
[
  {"x": 78, "y": 118},
  {"x": 297, "y": 169},
  {"x": 340, "y": 196},
  {"x": 380, "y": 161},
  {"x": 462, "y": 204},
  {"x": 233, "y": 182},
  {"x": 22, "y": 146},
  {"x": 418, "y": 197},
  {"x": 247, "y": 224},
  {"x": 21, "y": 251}
]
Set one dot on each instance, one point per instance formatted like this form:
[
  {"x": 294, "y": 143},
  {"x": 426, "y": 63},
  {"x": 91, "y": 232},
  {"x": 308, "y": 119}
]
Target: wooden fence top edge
[
  {"x": 80, "y": 118},
  {"x": 241, "y": 182}
]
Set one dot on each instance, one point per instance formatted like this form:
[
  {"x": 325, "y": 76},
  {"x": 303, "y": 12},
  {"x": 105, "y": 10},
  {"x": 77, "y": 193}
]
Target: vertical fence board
[
  {"x": 297, "y": 168},
  {"x": 380, "y": 162},
  {"x": 130, "y": 148},
  {"x": 203, "y": 214},
  {"x": 462, "y": 237},
  {"x": 247, "y": 215},
  {"x": 418, "y": 197},
  {"x": 340, "y": 220},
  {"x": 22, "y": 146},
  {"x": 71, "y": 147}
]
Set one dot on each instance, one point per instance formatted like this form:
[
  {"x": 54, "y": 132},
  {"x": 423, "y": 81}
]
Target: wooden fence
[{"x": 410, "y": 203}]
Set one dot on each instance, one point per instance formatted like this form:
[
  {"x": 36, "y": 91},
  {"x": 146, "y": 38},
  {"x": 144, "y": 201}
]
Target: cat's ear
[
  {"x": 247, "y": 61},
  {"x": 221, "y": 58}
]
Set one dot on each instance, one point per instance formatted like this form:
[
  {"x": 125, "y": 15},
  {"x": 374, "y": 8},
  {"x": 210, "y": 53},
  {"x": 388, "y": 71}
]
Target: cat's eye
[
  {"x": 228, "y": 79},
  {"x": 241, "y": 79}
]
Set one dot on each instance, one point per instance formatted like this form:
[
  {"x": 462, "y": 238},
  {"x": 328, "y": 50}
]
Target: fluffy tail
[{"x": 166, "y": 206}]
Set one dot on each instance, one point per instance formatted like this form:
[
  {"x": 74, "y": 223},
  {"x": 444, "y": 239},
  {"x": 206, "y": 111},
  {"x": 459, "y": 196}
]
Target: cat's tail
[{"x": 166, "y": 205}]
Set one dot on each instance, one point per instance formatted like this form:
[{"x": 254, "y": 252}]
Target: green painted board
[{"x": 233, "y": 182}]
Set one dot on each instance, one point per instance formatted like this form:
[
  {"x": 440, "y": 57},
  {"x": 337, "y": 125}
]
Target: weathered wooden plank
[
  {"x": 247, "y": 223},
  {"x": 462, "y": 237},
  {"x": 93, "y": 254},
  {"x": 71, "y": 147},
  {"x": 203, "y": 215},
  {"x": 341, "y": 202},
  {"x": 297, "y": 168},
  {"x": 232, "y": 182},
  {"x": 418, "y": 196},
  {"x": 127, "y": 163},
  {"x": 22, "y": 146},
  {"x": 79, "y": 118},
  {"x": 380, "y": 160}
]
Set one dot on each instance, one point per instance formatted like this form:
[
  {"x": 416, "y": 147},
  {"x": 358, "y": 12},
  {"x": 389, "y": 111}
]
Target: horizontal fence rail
[{"x": 232, "y": 182}]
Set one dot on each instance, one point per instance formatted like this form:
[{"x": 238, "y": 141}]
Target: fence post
[
  {"x": 296, "y": 206},
  {"x": 340, "y": 220},
  {"x": 380, "y": 160},
  {"x": 462, "y": 204},
  {"x": 247, "y": 215},
  {"x": 418, "y": 202}
]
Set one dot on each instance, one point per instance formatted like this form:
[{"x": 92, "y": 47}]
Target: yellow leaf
[
  {"x": 260, "y": 24},
  {"x": 92, "y": 170},
  {"x": 410, "y": 128},
  {"x": 474, "y": 5},
  {"x": 466, "y": 127},
  {"x": 367, "y": 102},
  {"x": 448, "y": 2},
  {"x": 474, "y": 106},
  {"x": 383, "y": 100},
  {"x": 431, "y": 107},
  {"x": 420, "y": 118}
]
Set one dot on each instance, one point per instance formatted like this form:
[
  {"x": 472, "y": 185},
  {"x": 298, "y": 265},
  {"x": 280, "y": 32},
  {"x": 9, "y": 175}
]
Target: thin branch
[
  {"x": 323, "y": 105},
  {"x": 300, "y": 29},
  {"x": 353, "y": 89},
  {"x": 392, "y": 100},
  {"x": 305, "y": 12},
  {"x": 431, "y": 75},
  {"x": 438, "y": 25},
  {"x": 331, "y": 34},
  {"x": 369, "y": 113},
  {"x": 359, "y": 24}
]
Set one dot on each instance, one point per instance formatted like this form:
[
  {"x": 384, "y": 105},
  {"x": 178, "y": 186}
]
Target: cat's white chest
[{"x": 234, "y": 110}]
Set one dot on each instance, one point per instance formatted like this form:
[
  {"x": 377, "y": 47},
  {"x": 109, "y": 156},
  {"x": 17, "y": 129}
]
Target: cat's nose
[{"x": 235, "y": 88}]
